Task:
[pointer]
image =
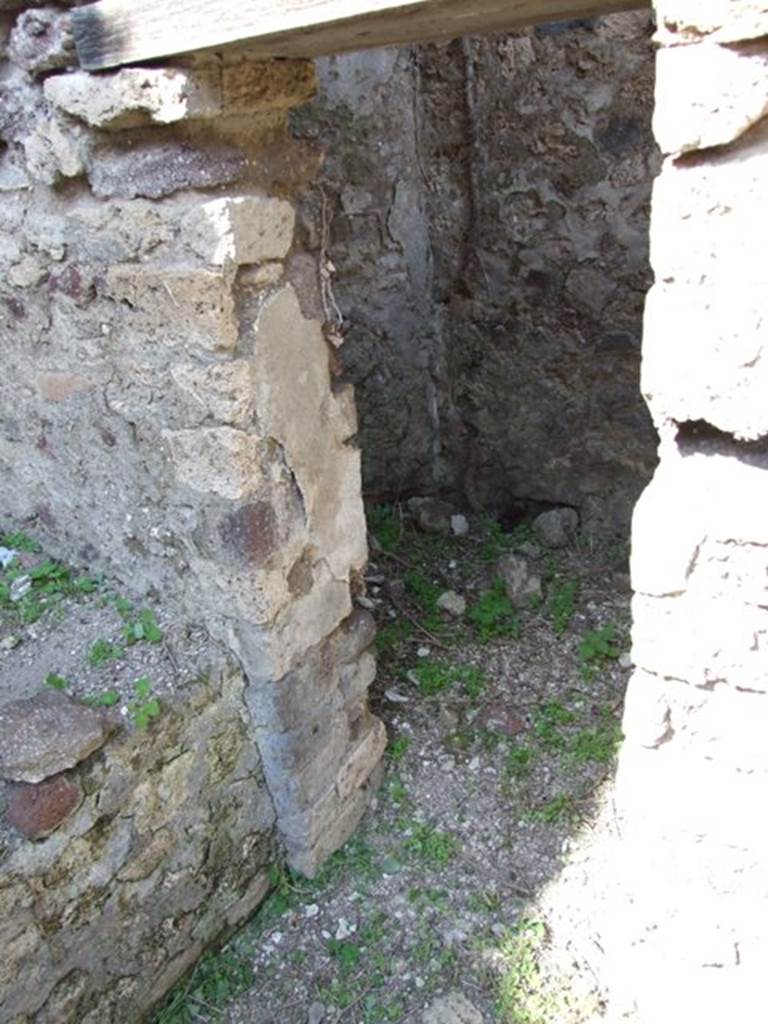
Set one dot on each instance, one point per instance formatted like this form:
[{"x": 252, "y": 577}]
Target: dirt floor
[{"x": 503, "y": 727}]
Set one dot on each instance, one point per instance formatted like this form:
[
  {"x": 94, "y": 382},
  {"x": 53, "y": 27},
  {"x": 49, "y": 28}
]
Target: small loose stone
[
  {"x": 452, "y": 603},
  {"x": 459, "y": 525}
]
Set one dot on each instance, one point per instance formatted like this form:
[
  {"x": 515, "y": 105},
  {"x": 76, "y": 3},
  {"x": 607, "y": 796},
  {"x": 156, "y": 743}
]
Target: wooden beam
[{"x": 114, "y": 32}]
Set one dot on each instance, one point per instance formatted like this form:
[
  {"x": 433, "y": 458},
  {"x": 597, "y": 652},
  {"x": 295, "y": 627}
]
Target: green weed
[
  {"x": 396, "y": 789},
  {"x": 398, "y": 748},
  {"x": 144, "y": 707},
  {"x": 433, "y": 677},
  {"x": 430, "y": 846},
  {"x": 548, "y": 721},
  {"x": 598, "y": 742},
  {"x": 474, "y": 681},
  {"x": 561, "y": 602},
  {"x": 422, "y": 590},
  {"x": 493, "y": 616},
  {"x": 521, "y": 998},
  {"x": 48, "y": 583},
  {"x": 339, "y": 994},
  {"x": 437, "y": 898},
  {"x": 346, "y": 954},
  {"x": 485, "y": 902},
  {"x": 596, "y": 648},
  {"x": 529, "y": 995},
  {"x": 559, "y": 809},
  {"x": 219, "y": 977},
  {"x": 102, "y": 651},
  {"x": 20, "y": 541},
  {"x": 374, "y": 929},
  {"x": 385, "y": 525},
  {"x": 389, "y": 637},
  {"x": 143, "y": 627},
  {"x": 103, "y": 700},
  {"x": 56, "y": 682},
  {"x": 122, "y": 605},
  {"x": 495, "y": 541},
  {"x": 517, "y": 763}
]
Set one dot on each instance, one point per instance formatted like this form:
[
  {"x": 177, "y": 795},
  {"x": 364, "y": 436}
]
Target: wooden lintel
[{"x": 115, "y": 32}]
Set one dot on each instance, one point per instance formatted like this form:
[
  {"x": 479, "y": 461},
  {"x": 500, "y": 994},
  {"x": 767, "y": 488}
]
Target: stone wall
[
  {"x": 169, "y": 412},
  {"x": 124, "y": 852},
  {"x": 487, "y": 209},
  {"x": 689, "y": 941}
]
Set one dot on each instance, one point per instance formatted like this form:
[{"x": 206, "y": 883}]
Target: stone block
[
  {"x": 647, "y": 712},
  {"x": 704, "y": 359},
  {"x": 254, "y": 531},
  {"x": 42, "y": 40},
  {"x": 282, "y": 706},
  {"x": 55, "y": 150},
  {"x": 723, "y": 21},
  {"x": 704, "y": 497},
  {"x": 27, "y": 273},
  {"x": 311, "y": 836},
  {"x": 60, "y": 387},
  {"x": 556, "y": 528},
  {"x": 252, "y": 86},
  {"x": 223, "y": 391},
  {"x": 159, "y": 169},
  {"x": 360, "y": 762},
  {"x": 453, "y": 1008},
  {"x": 302, "y": 764},
  {"x": 522, "y": 584},
  {"x": 47, "y": 734},
  {"x": 37, "y": 810},
  {"x": 709, "y": 95},
  {"x": 193, "y": 308},
  {"x": 668, "y": 526},
  {"x": 355, "y": 678},
  {"x": 135, "y": 96},
  {"x": 298, "y": 408},
  {"x": 354, "y": 636},
  {"x": 217, "y": 460},
  {"x": 240, "y": 230},
  {"x": 701, "y": 639},
  {"x": 704, "y": 217}
]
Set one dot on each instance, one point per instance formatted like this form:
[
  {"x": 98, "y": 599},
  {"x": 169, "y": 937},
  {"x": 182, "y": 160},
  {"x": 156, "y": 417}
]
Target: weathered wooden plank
[{"x": 114, "y": 32}]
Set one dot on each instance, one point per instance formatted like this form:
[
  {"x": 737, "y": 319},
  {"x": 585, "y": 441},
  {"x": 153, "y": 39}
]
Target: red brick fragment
[{"x": 37, "y": 809}]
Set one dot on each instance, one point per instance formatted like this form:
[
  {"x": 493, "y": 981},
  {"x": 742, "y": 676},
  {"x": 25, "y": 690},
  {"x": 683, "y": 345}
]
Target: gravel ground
[
  {"x": 81, "y": 634},
  {"x": 503, "y": 730}
]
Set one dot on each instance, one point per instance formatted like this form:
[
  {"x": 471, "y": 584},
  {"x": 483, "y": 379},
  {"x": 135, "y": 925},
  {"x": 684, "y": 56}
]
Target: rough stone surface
[
  {"x": 431, "y": 514},
  {"x": 454, "y": 604},
  {"x": 41, "y": 40},
  {"x": 37, "y": 810},
  {"x": 453, "y": 1008},
  {"x": 46, "y": 734},
  {"x": 159, "y": 170},
  {"x": 703, "y": 356},
  {"x": 166, "y": 846},
  {"x": 188, "y": 306},
  {"x": 135, "y": 96},
  {"x": 557, "y": 527},
  {"x": 487, "y": 206},
  {"x": 681, "y": 935},
  {"x": 171, "y": 414},
  {"x": 717, "y": 93},
  {"x": 521, "y": 582},
  {"x": 723, "y": 21},
  {"x": 242, "y": 230}
]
